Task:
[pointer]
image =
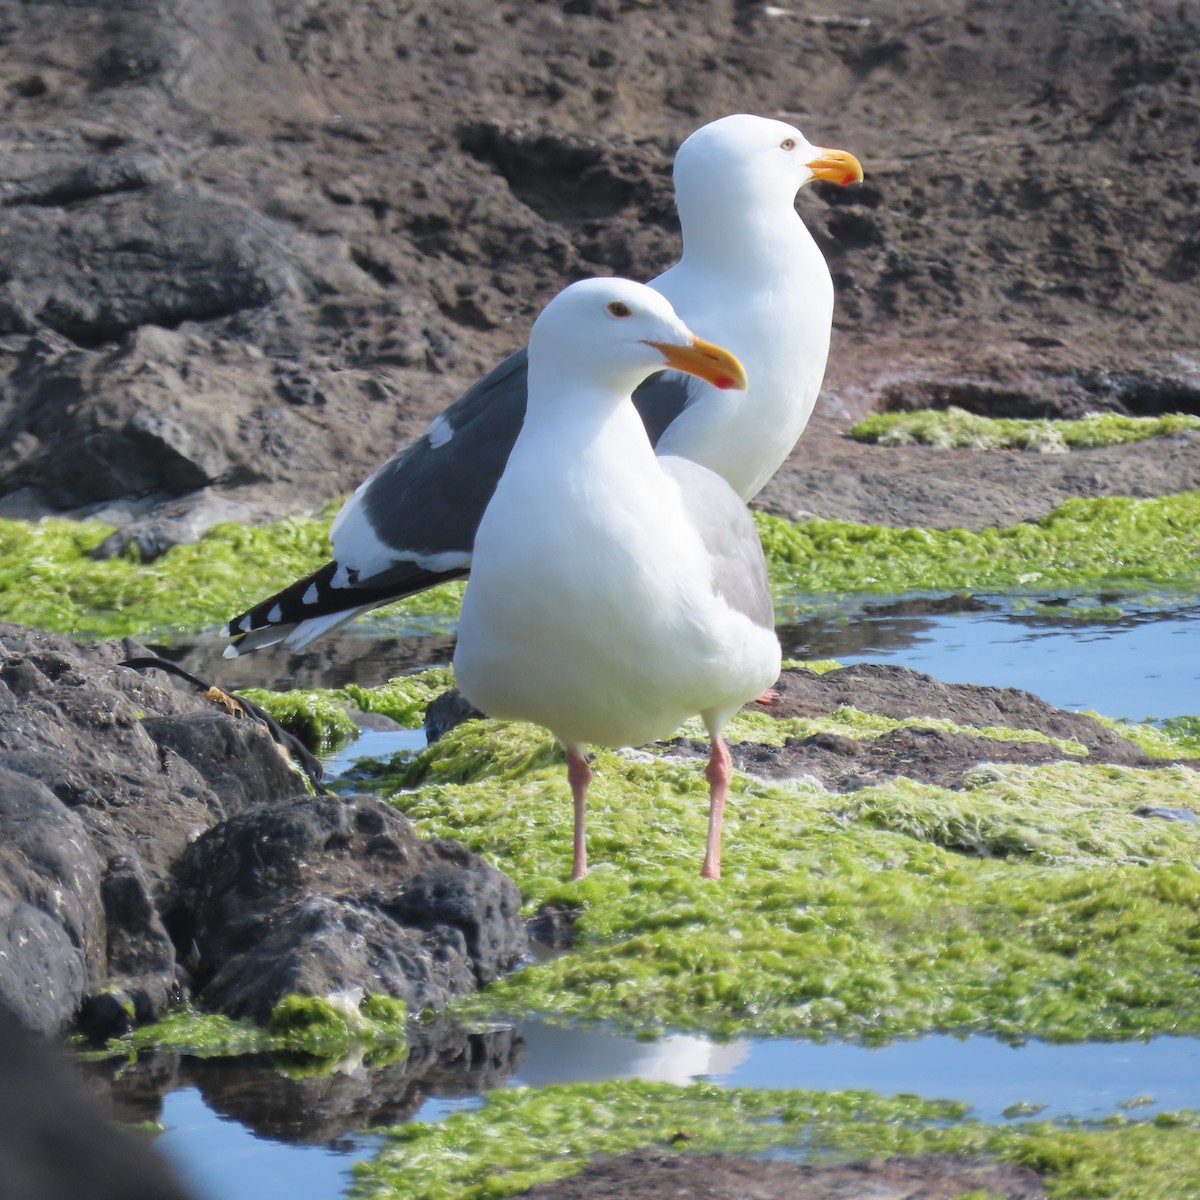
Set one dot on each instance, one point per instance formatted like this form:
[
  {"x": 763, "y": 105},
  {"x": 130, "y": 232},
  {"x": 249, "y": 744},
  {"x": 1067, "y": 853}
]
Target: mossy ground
[
  {"x": 1031, "y": 902},
  {"x": 954, "y": 427},
  {"x": 49, "y": 580},
  {"x": 525, "y": 1136}
]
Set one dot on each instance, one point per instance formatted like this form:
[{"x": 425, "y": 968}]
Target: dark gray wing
[
  {"x": 725, "y": 524},
  {"x": 412, "y": 524},
  {"x": 660, "y": 400},
  {"x": 429, "y": 498}
]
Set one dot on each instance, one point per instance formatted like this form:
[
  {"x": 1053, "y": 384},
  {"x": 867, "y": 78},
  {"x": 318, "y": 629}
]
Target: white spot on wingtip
[
  {"x": 276, "y": 614},
  {"x": 229, "y": 652},
  {"x": 310, "y": 597},
  {"x": 440, "y": 431}
]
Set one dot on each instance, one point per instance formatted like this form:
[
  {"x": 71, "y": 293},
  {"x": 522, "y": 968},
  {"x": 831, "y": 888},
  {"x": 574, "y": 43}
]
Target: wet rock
[
  {"x": 449, "y": 709},
  {"x": 326, "y": 894},
  {"x": 724, "y": 1177},
  {"x": 140, "y": 823},
  {"x": 1167, "y": 814}
]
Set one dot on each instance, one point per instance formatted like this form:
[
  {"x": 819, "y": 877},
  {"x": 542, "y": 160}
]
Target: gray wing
[
  {"x": 660, "y": 400},
  {"x": 725, "y": 524},
  {"x": 429, "y": 498},
  {"x": 412, "y": 524}
]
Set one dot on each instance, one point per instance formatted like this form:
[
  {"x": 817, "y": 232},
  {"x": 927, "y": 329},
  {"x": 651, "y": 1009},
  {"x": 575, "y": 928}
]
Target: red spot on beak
[{"x": 724, "y": 382}]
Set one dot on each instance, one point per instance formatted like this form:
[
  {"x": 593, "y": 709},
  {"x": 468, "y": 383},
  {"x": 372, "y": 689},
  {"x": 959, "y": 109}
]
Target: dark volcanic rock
[
  {"x": 645, "y": 1175},
  {"x": 327, "y": 893},
  {"x": 345, "y": 217},
  {"x": 52, "y": 927},
  {"x": 107, "y": 778}
]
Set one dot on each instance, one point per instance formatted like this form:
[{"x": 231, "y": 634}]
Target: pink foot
[{"x": 771, "y": 698}]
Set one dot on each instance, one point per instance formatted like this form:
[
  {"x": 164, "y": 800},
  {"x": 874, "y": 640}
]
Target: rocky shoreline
[
  {"x": 250, "y": 248},
  {"x": 158, "y": 848}
]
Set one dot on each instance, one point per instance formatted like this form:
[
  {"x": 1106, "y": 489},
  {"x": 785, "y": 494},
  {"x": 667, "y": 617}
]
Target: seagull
[
  {"x": 615, "y": 592},
  {"x": 750, "y": 273}
]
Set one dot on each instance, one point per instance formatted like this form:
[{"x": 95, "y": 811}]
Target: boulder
[{"x": 143, "y": 827}]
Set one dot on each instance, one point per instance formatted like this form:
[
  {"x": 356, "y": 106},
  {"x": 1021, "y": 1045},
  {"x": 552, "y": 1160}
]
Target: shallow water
[
  {"x": 220, "y": 1159},
  {"x": 1141, "y": 663},
  {"x": 1144, "y": 663}
]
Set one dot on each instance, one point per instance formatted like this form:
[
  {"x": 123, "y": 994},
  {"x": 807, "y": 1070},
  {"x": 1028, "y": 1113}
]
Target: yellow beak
[
  {"x": 706, "y": 361},
  {"x": 838, "y": 166}
]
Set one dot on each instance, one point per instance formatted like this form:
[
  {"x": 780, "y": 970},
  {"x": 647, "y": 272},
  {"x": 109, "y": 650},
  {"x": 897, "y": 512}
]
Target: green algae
[
  {"x": 1109, "y": 540},
  {"x": 49, "y": 580},
  {"x": 1032, "y": 902},
  {"x": 524, "y": 1136},
  {"x": 954, "y": 427},
  {"x": 1174, "y": 737},
  {"x": 321, "y": 717},
  {"x": 854, "y": 723},
  {"x": 312, "y": 1033}
]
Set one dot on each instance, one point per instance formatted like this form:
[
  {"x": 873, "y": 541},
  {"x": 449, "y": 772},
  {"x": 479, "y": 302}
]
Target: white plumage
[{"x": 613, "y": 593}]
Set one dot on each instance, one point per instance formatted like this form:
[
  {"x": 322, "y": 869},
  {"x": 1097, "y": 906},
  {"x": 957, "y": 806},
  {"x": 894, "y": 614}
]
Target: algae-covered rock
[
  {"x": 1027, "y": 900},
  {"x": 543, "y": 1139},
  {"x": 953, "y": 426}
]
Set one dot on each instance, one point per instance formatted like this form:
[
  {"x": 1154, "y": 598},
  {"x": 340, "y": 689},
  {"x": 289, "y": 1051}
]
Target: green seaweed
[
  {"x": 954, "y": 427},
  {"x": 1031, "y": 902},
  {"x": 321, "y": 717},
  {"x": 313, "y": 1032},
  {"x": 1174, "y": 737},
  {"x": 524, "y": 1136},
  {"x": 851, "y": 722},
  {"x": 1107, "y": 541},
  {"x": 49, "y": 580}
]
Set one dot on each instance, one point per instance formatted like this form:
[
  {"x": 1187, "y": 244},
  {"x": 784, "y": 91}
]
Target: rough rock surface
[
  {"x": 925, "y": 754},
  {"x": 648, "y": 1176},
  {"x": 322, "y": 894},
  {"x": 248, "y": 247},
  {"x": 139, "y": 822}
]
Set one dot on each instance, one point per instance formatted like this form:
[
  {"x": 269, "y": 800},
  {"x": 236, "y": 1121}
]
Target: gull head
[
  {"x": 615, "y": 333},
  {"x": 754, "y": 161}
]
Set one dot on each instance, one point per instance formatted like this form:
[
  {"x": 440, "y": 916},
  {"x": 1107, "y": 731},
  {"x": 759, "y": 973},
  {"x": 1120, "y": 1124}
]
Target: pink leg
[
  {"x": 718, "y": 771},
  {"x": 579, "y": 774},
  {"x": 770, "y": 698}
]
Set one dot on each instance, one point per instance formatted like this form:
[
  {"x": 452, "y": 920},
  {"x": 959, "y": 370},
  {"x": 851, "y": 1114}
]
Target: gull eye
[
  {"x": 618, "y": 309},
  {"x": 788, "y": 144}
]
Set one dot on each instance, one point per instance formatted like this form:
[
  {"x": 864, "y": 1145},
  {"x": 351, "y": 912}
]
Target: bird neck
[
  {"x": 765, "y": 241},
  {"x": 578, "y": 414}
]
